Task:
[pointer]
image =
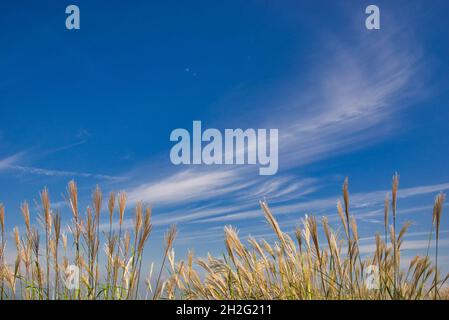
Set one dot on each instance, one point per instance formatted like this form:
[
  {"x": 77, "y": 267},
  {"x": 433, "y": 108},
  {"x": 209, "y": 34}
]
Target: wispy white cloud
[
  {"x": 407, "y": 245},
  {"x": 353, "y": 105},
  {"x": 189, "y": 185},
  {"x": 6, "y": 163},
  {"x": 63, "y": 148},
  {"x": 14, "y": 163},
  {"x": 358, "y": 200},
  {"x": 217, "y": 187},
  {"x": 407, "y": 236},
  {"x": 61, "y": 173}
]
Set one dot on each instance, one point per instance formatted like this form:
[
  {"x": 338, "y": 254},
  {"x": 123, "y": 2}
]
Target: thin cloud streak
[
  {"x": 193, "y": 186},
  {"x": 6, "y": 163},
  {"x": 13, "y": 163},
  {"x": 61, "y": 173},
  {"x": 357, "y": 200},
  {"x": 186, "y": 186}
]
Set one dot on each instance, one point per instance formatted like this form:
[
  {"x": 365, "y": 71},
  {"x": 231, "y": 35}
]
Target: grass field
[{"x": 299, "y": 266}]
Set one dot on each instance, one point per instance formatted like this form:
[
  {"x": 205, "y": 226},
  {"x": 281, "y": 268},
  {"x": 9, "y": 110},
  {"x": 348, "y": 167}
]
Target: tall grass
[{"x": 317, "y": 261}]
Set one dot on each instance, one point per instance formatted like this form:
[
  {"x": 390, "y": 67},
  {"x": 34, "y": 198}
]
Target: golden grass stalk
[
  {"x": 169, "y": 240},
  {"x": 386, "y": 206},
  {"x": 436, "y": 217},
  {"x": 394, "y": 191},
  {"x": 46, "y": 207},
  {"x": 2, "y": 248},
  {"x": 350, "y": 243},
  {"x": 72, "y": 191},
  {"x": 97, "y": 200},
  {"x": 57, "y": 237}
]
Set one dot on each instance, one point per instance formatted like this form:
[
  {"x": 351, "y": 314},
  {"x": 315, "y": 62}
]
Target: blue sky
[{"x": 98, "y": 105}]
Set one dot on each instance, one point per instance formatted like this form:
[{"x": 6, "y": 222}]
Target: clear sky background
[{"x": 98, "y": 105}]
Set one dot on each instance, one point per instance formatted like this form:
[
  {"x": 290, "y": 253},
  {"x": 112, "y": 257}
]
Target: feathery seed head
[
  {"x": 45, "y": 200},
  {"x": 121, "y": 205},
  {"x": 111, "y": 205},
  {"x": 394, "y": 191},
  {"x": 73, "y": 199},
  {"x": 438, "y": 210},
  {"x": 97, "y": 199},
  {"x": 346, "y": 197},
  {"x": 26, "y": 215},
  {"x": 2, "y": 217}
]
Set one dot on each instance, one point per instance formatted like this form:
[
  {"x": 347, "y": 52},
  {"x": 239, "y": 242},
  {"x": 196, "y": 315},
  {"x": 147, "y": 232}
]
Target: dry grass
[{"x": 298, "y": 266}]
